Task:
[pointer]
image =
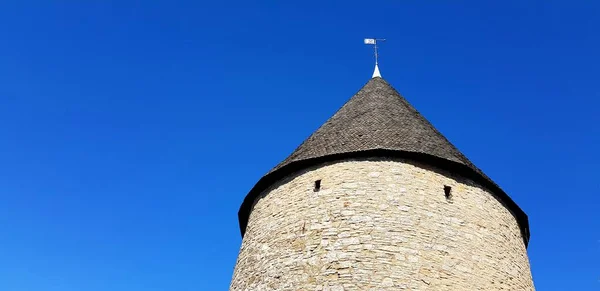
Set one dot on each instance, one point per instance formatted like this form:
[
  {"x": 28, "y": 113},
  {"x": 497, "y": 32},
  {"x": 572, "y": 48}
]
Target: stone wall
[{"x": 379, "y": 224}]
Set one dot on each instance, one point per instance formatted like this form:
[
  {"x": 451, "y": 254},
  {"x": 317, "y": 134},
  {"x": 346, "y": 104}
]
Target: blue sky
[{"x": 132, "y": 130}]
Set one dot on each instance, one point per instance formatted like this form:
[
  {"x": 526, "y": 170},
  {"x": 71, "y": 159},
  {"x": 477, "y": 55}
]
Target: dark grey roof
[
  {"x": 377, "y": 117},
  {"x": 377, "y": 121}
]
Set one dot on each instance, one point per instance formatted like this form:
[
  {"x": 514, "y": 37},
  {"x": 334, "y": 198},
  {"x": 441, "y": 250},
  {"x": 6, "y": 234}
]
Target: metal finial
[
  {"x": 373, "y": 41},
  {"x": 376, "y": 72}
]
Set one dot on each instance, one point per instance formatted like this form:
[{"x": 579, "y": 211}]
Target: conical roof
[
  {"x": 377, "y": 117},
  {"x": 378, "y": 121}
]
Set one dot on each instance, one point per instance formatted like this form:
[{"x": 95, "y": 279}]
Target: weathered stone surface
[{"x": 380, "y": 225}]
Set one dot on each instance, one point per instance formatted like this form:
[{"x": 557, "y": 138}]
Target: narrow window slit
[
  {"x": 448, "y": 192},
  {"x": 317, "y": 185}
]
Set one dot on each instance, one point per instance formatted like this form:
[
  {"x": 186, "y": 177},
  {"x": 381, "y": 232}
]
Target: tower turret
[{"x": 378, "y": 199}]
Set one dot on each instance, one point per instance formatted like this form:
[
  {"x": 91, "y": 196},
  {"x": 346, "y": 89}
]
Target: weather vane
[{"x": 374, "y": 41}]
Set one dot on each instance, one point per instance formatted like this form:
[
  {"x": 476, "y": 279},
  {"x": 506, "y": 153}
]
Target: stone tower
[{"x": 378, "y": 199}]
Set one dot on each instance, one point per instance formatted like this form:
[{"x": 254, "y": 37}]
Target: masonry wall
[{"x": 380, "y": 225}]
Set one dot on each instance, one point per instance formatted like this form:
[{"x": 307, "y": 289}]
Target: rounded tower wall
[{"x": 381, "y": 224}]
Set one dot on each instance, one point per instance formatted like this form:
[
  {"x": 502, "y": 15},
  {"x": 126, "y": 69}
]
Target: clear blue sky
[{"x": 132, "y": 130}]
